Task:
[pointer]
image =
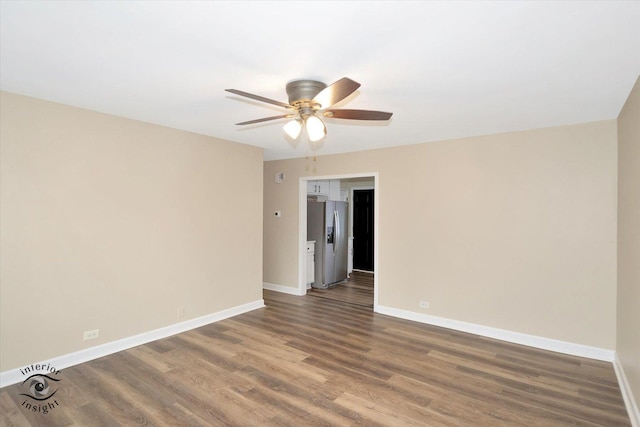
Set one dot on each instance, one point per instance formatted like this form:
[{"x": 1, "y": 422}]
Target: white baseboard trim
[
  {"x": 14, "y": 376},
  {"x": 627, "y": 394},
  {"x": 504, "y": 335},
  {"x": 283, "y": 289}
]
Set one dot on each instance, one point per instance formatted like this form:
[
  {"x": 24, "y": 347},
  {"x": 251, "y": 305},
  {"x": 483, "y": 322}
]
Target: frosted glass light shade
[
  {"x": 315, "y": 129},
  {"x": 293, "y": 128}
]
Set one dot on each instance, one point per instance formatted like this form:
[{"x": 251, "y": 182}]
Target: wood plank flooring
[
  {"x": 358, "y": 289},
  {"x": 306, "y": 361}
]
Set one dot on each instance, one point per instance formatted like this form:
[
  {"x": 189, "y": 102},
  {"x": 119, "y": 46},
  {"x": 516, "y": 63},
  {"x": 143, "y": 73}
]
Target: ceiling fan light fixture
[
  {"x": 293, "y": 128},
  {"x": 315, "y": 128},
  {"x": 308, "y": 101}
]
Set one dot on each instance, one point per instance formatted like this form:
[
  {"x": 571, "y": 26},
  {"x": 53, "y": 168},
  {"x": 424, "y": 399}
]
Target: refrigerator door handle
[{"x": 336, "y": 222}]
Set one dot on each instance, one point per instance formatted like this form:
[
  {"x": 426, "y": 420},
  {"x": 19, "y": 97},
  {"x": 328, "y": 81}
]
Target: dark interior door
[{"x": 363, "y": 229}]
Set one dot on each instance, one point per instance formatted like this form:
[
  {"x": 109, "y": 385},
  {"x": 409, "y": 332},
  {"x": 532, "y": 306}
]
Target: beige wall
[
  {"x": 348, "y": 184},
  {"x": 628, "y": 331},
  {"x": 514, "y": 231},
  {"x": 111, "y": 223}
]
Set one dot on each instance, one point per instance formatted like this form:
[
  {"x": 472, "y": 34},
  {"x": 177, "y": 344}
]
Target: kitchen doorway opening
[{"x": 355, "y": 182}]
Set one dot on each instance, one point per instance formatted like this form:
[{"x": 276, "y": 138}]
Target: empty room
[{"x": 320, "y": 213}]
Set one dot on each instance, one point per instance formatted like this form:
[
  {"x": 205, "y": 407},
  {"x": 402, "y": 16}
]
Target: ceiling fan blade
[
  {"x": 266, "y": 119},
  {"x": 259, "y": 98},
  {"x": 357, "y": 114},
  {"x": 336, "y": 92}
]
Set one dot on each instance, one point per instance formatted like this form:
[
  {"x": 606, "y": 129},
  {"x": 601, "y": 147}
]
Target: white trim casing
[
  {"x": 376, "y": 234},
  {"x": 283, "y": 289},
  {"x": 504, "y": 335},
  {"x": 302, "y": 236},
  {"x": 14, "y": 376},
  {"x": 627, "y": 394}
]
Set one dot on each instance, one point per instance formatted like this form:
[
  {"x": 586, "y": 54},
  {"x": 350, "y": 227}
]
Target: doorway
[
  {"x": 363, "y": 230},
  {"x": 371, "y": 180}
]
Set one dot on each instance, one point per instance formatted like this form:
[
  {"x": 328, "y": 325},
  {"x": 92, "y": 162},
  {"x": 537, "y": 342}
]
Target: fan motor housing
[{"x": 303, "y": 90}]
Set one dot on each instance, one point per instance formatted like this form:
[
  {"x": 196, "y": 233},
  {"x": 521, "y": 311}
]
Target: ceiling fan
[{"x": 308, "y": 101}]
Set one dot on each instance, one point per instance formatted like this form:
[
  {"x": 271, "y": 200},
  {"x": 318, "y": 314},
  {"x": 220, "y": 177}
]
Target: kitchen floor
[{"x": 358, "y": 289}]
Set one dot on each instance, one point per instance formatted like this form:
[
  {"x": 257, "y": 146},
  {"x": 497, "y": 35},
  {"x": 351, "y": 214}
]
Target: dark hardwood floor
[
  {"x": 315, "y": 361},
  {"x": 358, "y": 289}
]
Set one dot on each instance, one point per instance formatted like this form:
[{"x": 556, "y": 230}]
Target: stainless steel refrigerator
[{"x": 327, "y": 225}]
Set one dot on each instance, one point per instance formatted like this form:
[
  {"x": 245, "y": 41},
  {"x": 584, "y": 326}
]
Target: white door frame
[{"x": 302, "y": 230}]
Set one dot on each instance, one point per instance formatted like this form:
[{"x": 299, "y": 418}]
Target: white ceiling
[{"x": 445, "y": 69}]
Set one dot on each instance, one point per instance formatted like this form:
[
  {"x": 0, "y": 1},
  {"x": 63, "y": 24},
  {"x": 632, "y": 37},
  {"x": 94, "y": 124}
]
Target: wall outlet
[
  {"x": 180, "y": 312},
  {"x": 91, "y": 335},
  {"x": 424, "y": 304}
]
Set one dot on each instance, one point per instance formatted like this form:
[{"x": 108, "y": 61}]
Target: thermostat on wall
[{"x": 279, "y": 177}]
